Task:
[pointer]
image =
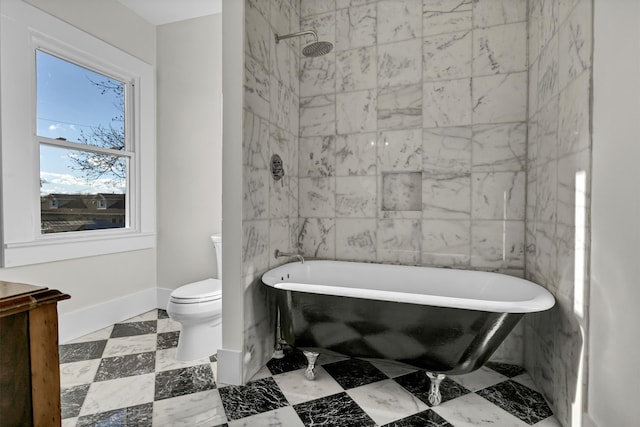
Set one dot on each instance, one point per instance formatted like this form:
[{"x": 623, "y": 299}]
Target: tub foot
[
  {"x": 310, "y": 372},
  {"x": 434, "y": 397}
]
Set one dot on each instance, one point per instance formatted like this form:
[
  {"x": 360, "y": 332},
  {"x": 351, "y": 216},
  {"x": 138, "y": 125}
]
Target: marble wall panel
[
  {"x": 356, "y": 26},
  {"x": 356, "y": 196},
  {"x": 356, "y": 69},
  {"x": 497, "y": 244},
  {"x": 446, "y": 242},
  {"x": 400, "y": 150},
  {"x": 399, "y": 241},
  {"x": 256, "y": 141},
  {"x": 317, "y": 237},
  {"x": 324, "y": 25},
  {"x": 446, "y": 196},
  {"x": 446, "y": 103},
  {"x": 446, "y": 16},
  {"x": 500, "y": 148},
  {"x": 447, "y": 56},
  {"x": 256, "y": 87},
  {"x": 500, "y": 49},
  {"x": 314, "y": 7},
  {"x": 318, "y": 115},
  {"x": 499, "y": 12},
  {"x": 446, "y": 150},
  {"x": 399, "y": 107},
  {"x": 400, "y": 63},
  {"x": 317, "y": 197},
  {"x": 317, "y": 156},
  {"x": 399, "y": 20},
  {"x": 574, "y": 44},
  {"x": 356, "y": 154},
  {"x": 500, "y": 98},
  {"x": 498, "y": 195},
  {"x": 356, "y": 111},
  {"x": 317, "y": 75},
  {"x": 356, "y": 239}
]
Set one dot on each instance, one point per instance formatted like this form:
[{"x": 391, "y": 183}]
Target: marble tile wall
[
  {"x": 270, "y": 208},
  {"x": 413, "y": 135},
  {"x": 558, "y": 183},
  {"x": 414, "y": 128}
]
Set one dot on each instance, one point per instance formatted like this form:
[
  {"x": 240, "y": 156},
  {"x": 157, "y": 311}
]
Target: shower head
[
  {"x": 317, "y": 48},
  {"x": 313, "y": 49}
]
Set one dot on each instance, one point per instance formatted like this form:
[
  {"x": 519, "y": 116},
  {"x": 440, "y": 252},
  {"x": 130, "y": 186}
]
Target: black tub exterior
[{"x": 438, "y": 339}]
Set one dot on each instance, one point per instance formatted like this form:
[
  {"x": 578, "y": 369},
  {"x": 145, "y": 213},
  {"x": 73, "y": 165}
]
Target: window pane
[
  {"x": 81, "y": 190},
  {"x": 77, "y": 104}
]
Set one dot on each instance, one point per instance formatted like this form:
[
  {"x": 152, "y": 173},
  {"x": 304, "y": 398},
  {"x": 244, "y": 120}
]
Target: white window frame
[{"x": 23, "y": 30}]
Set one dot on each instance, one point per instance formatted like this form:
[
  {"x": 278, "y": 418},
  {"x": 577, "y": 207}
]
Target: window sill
[{"x": 60, "y": 248}]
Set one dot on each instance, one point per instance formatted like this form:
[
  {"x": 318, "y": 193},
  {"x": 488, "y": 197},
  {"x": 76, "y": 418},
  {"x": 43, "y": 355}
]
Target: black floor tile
[
  {"x": 126, "y": 366},
  {"x": 81, "y": 351},
  {"x": 292, "y": 360},
  {"x": 337, "y": 410},
  {"x": 426, "y": 418},
  {"x": 506, "y": 369},
  {"x": 179, "y": 382},
  {"x": 354, "y": 373},
  {"x": 213, "y": 358},
  {"x": 518, "y": 400},
  {"x": 418, "y": 384},
  {"x": 168, "y": 340},
  {"x": 133, "y": 416},
  {"x": 162, "y": 314},
  {"x": 71, "y": 400},
  {"x": 254, "y": 398},
  {"x": 134, "y": 328}
]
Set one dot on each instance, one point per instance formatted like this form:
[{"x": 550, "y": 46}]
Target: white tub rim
[{"x": 504, "y": 293}]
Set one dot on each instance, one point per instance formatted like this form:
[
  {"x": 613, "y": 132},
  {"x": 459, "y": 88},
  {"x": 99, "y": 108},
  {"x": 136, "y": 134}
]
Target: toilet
[{"x": 197, "y": 307}]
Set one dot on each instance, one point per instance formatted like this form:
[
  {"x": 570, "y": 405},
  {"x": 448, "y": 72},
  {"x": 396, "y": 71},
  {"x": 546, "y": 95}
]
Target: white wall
[
  {"x": 189, "y": 135},
  {"x": 108, "y": 20},
  {"x": 614, "y": 349},
  {"x": 96, "y": 280}
]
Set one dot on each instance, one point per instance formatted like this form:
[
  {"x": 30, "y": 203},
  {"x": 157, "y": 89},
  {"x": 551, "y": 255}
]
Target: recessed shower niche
[{"x": 402, "y": 191}]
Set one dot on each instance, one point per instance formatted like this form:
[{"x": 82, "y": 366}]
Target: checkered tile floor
[{"x": 127, "y": 375}]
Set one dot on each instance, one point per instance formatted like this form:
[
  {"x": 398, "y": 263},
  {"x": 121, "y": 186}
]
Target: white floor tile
[
  {"x": 549, "y": 422},
  {"x": 130, "y": 345},
  {"x": 479, "y": 379},
  {"x": 76, "y": 373},
  {"x": 472, "y": 410},
  {"x": 168, "y": 325},
  {"x": 119, "y": 393},
  {"x": 69, "y": 422},
  {"x": 386, "y": 401},
  {"x": 197, "y": 409},
  {"x": 166, "y": 360},
  {"x": 100, "y": 334},
  {"x": 264, "y": 372},
  {"x": 297, "y": 389},
  {"x": 526, "y": 380},
  {"x": 284, "y": 417},
  {"x": 392, "y": 368}
]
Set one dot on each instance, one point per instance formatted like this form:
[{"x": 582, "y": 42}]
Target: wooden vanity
[{"x": 29, "y": 363}]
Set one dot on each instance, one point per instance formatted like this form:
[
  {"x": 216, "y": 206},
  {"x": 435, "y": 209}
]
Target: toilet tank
[{"x": 217, "y": 242}]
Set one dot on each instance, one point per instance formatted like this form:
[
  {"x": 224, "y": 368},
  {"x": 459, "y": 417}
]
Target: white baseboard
[
  {"x": 229, "y": 367},
  {"x": 89, "y": 319}
]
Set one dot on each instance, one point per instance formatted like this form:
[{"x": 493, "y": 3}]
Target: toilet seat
[{"x": 197, "y": 292}]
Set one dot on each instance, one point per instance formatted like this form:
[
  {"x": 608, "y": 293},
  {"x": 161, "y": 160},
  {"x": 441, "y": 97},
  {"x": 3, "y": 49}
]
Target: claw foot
[
  {"x": 434, "y": 397},
  {"x": 310, "y": 372}
]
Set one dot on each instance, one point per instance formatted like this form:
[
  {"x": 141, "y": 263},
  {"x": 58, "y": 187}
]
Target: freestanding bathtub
[{"x": 442, "y": 320}]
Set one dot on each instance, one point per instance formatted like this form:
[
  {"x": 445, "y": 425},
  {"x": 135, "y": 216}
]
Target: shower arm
[{"x": 301, "y": 33}]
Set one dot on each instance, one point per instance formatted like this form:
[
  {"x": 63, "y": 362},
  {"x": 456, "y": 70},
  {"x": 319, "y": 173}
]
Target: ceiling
[{"x": 160, "y": 12}]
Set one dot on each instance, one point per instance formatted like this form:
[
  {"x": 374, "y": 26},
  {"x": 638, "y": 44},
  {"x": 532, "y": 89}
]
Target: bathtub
[{"x": 442, "y": 320}]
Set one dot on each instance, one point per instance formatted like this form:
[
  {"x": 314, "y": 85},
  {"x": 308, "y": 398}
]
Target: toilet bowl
[{"x": 197, "y": 307}]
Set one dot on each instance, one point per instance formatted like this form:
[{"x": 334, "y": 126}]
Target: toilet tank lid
[{"x": 208, "y": 288}]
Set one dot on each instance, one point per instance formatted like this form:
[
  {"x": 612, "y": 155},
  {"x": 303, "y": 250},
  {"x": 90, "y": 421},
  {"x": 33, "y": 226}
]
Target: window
[{"x": 78, "y": 135}]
